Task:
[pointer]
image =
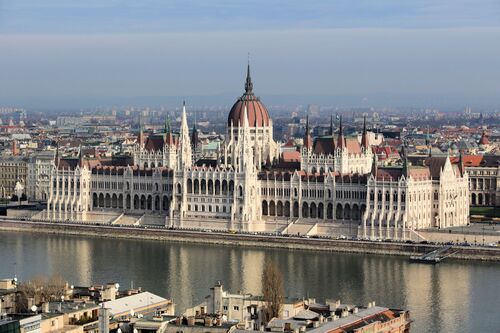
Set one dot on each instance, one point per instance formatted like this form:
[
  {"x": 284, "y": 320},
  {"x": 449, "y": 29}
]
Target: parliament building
[{"x": 337, "y": 187}]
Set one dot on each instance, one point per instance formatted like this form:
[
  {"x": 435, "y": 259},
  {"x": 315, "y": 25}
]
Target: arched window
[
  {"x": 196, "y": 186},
  {"x": 264, "y": 208}
]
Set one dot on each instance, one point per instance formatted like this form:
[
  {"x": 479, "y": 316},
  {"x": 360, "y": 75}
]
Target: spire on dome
[{"x": 248, "y": 83}]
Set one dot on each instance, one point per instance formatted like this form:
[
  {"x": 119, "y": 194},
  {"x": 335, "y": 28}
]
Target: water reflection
[{"x": 443, "y": 298}]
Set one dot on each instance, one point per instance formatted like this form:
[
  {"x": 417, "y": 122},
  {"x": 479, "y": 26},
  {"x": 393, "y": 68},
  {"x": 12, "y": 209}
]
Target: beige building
[
  {"x": 484, "y": 179},
  {"x": 13, "y": 170},
  {"x": 247, "y": 309},
  {"x": 39, "y": 170}
]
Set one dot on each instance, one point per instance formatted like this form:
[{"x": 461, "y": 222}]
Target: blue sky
[{"x": 74, "y": 48}]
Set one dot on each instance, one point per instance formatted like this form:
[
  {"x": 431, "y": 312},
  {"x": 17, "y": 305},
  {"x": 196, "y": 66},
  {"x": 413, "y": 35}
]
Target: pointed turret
[
  {"x": 185, "y": 157},
  {"x": 364, "y": 138},
  {"x": 57, "y": 157},
  {"x": 168, "y": 138},
  {"x": 80, "y": 157},
  {"x": 331, "y": 125},
  {"x": 307, "y": 135},
  {"x": 194, "y": 135},
  {"x": 248, "y": 82},
  {"x": 375, "y": 166},
  {"x": 461, "y": 163},
  {"x": 404, "y": 157},
  {"x": 140, "y": 139},
  {"x": 340, "y": 138}
]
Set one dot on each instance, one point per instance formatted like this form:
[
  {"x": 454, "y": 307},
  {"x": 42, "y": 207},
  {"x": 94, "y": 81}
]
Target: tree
[
  {"x": 40, "y": 289},
  {"x": 272, "y": 289}
]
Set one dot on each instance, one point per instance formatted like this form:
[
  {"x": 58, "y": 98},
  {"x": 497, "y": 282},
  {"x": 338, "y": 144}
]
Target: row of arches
[
  {"x": 482, "y": 200},
  {"x": 211, "y": 187},
  {"x": 312, "y": 210},
  {"x": 137, "y": 202}
]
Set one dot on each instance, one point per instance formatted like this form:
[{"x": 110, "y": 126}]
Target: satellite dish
[
  {"x": 132, "y": 313},
  {"x": 140, "y": 315},
  {"x": 135, "y": 330},
  {"x": 34, "y": 308},
  {"x": 117, "y": 285},
  {"x": 72, "y": 287},
  {"x": 119, "y": 330}
]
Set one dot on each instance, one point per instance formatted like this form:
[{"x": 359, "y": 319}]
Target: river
[{"x": 454, "y": 296}]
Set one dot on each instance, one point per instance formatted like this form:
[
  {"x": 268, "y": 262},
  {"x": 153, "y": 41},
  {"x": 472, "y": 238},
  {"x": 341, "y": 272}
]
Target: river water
[{"x": 454, "y": 296}]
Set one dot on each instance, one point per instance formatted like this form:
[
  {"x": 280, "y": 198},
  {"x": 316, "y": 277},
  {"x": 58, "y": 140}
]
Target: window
[
  {"x": 236, "y": 308},
  {"x": 224, "y": 308}
]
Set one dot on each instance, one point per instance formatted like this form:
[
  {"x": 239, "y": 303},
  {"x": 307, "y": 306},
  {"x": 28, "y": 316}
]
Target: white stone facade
[{"x": 239, "y": 192}]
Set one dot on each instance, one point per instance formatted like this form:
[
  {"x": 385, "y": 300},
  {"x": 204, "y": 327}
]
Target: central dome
[{"x": 256, "y": 111}]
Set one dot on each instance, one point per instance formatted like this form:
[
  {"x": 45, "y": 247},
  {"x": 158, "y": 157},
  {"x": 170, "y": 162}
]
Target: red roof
[{"x": 291, "y": 156}]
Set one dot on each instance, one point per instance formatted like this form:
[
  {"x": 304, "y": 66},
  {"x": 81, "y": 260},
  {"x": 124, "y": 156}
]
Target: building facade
[
  {"x": 13, "y": 171},
  {"x": 39, "y": 170},
  {"x": 338, "y": 182},
  {"x": 484, "y": 180}
]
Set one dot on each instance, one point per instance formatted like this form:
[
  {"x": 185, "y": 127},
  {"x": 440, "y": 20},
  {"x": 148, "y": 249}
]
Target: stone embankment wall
[{"x": 258, "y": 241}]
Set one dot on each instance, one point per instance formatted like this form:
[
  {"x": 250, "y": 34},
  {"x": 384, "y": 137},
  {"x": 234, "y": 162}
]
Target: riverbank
[{"x": 248, "y": 240}]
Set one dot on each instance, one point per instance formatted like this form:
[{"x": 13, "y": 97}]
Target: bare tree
[
  {"x": 40, "y": 289},
  {"x": 272, "y": 289}
]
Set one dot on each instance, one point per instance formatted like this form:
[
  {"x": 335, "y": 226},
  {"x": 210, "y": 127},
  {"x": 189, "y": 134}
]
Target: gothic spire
[
  {"x": 331, "y": 125},
  {"x": 364, "y": 137},
  {"x": 340, "y": 139},
  {"x": 248, "y": 83},
  {"x": 307, "y": 136}
]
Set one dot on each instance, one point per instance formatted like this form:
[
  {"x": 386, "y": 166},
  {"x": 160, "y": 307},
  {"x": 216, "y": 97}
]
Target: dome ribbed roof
[{"x": 257, "y": 114}]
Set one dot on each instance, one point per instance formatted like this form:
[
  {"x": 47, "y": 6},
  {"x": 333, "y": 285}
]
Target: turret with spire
[
  {"x": 168, "y": 138},
  {"x": 340, "y": 138},
  {"x": 404, "y": 157},
  {"x": 80, "y": 157},
  {"x": 331, "y": 125},
  {"x": 364, "y": 138},
  {"x": 184, "y": 154},
  {"x": 194, "y": 135},
  {"x": 248, "y": 82},
  {"x": 57, "y": 157},
  {"x": 307, "y": 135},
  {"x": 140, "y": 139}
]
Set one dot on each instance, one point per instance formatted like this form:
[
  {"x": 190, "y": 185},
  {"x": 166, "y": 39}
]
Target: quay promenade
[{"x": 259, "y": 240}]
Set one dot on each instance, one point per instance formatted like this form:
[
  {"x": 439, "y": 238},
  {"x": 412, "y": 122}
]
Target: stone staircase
[{"x": 127, "y": 219}]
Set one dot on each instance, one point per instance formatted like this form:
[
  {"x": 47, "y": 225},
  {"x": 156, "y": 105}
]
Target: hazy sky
[{"x": 80, "y": 48}]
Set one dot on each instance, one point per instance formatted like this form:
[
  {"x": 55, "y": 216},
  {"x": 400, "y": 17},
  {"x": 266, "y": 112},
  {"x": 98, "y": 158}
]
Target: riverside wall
[{"x": 247, "y": 240}]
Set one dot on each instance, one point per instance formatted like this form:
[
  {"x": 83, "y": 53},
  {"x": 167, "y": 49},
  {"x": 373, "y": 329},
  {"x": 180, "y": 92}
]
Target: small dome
[{"x": 257, "y": 114}]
